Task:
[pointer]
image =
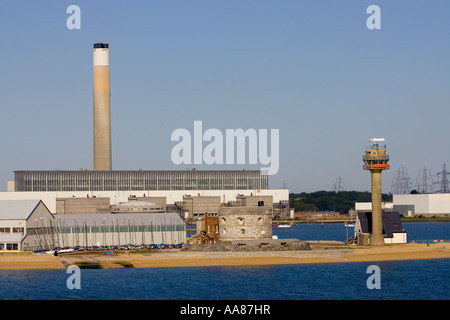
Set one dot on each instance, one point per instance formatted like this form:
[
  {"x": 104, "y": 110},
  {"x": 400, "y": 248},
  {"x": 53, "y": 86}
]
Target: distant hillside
[{"x": 340, "y": 202}]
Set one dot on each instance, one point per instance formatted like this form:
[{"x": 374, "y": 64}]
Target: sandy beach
[{"x": 172, "y": 258}]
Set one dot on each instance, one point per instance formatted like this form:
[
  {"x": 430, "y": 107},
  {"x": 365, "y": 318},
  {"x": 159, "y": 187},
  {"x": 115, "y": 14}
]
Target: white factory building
[{"x": 434, "y": 204}]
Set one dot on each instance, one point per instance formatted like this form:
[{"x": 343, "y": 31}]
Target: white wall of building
[
  {"x": 428, "y": 204},
  {"x": 367, "y": 206},
  {"x": 397, "y": 238}
]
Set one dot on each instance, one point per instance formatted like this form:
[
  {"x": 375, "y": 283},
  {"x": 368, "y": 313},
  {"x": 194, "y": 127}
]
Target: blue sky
[{"x": 311, "y": 69}]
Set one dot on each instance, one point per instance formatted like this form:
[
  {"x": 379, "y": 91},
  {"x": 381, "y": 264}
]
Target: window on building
[
  {"x": 5, "y": 230},
  {"x": 18, "y": 230},
  {"x": 12, "y": 246}
]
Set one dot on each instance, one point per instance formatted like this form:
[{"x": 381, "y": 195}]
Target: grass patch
[
  {"x": 88, "y": 265},
  {"x": 124, "y": 264},
  {"x": 425, "y": 219}
]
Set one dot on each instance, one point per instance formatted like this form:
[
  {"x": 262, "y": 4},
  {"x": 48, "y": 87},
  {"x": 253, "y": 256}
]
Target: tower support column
[{"x": 377, "y": 238}]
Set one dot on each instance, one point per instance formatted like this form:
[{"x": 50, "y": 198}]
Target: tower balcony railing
[
  {"x": 369, "y": 166},
  {"x": 376, "y": 147},
  {"x": 384, "y": 157}
]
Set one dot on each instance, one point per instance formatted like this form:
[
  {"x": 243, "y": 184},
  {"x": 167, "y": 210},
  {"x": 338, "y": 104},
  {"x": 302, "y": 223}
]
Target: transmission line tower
[
  {"x": 339, "y": 185},
  {"x": 401, "y": 183},
  {"x": 444, "y": 181},
  {"x": 423, "y": 184}
]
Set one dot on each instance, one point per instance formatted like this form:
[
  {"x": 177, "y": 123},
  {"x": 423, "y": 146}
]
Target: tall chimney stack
[{"x": 102, "y": 108}]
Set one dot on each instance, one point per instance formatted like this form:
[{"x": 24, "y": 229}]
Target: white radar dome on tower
[{"x": 376, "y": 140}]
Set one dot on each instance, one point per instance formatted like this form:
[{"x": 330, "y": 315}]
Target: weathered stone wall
[
  {"x": 236, "y": 223},
  {"x": 246, "y": 246}
]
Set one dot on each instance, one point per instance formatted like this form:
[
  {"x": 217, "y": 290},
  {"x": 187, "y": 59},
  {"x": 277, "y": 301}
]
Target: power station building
[
  {"x": 139, "y": 180},
  {"x": 88, "y": 205}
]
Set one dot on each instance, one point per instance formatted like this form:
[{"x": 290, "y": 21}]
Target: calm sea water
[
  {"x": 416, "y": 231},
  {"x": 421, "y": 279}
]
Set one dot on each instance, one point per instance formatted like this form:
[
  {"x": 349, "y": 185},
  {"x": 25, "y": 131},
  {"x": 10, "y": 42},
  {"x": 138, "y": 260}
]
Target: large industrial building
[
  {"x": 434, "y": 204},
  {"x": 409, "y": 205},
  {"x": 87, "y": 180},
  {"x": 181, "y": 190}
]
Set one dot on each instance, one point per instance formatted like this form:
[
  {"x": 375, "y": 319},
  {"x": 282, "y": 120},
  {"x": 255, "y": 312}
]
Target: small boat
[
  {"x": 39, "y": 251},
  {"x": 65, "y": 250},
  {"x": 55, "y": 252},
  {"x": 284, "y": 225},
  {"x": 351, "y": 225}
]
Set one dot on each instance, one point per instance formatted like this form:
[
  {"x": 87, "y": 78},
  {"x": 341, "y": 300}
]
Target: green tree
[{"x": 322, "y": 200}]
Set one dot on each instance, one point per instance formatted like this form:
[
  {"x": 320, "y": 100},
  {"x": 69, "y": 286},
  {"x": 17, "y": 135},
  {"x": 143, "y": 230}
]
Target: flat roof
[{"x": 135, "y": 203}]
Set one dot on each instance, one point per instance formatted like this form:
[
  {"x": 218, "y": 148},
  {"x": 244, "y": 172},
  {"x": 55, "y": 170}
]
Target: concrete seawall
[{"x": 250, "y": 245}]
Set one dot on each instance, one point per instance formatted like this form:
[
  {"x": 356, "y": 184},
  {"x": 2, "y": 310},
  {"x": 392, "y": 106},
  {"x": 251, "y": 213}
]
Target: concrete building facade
[
  {"x": 160, "y": 202},
  {"x": 137, "y": 207},
  {"x": 116, "y": 197},
  {"x": 82, "y": 205},
  {"x": 196, "y": 207},
  {"x": 254, "y": 200}
]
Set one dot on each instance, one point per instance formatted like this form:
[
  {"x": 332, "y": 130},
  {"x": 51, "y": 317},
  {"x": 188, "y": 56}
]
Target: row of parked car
[{"x": 105, "y": 248}]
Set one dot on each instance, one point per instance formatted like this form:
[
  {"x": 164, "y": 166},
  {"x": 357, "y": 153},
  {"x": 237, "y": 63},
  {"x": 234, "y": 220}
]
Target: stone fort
[{"x": 245, "y": 223}]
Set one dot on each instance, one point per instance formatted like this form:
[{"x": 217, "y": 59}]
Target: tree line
[{"x": 341, "y": 201}]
